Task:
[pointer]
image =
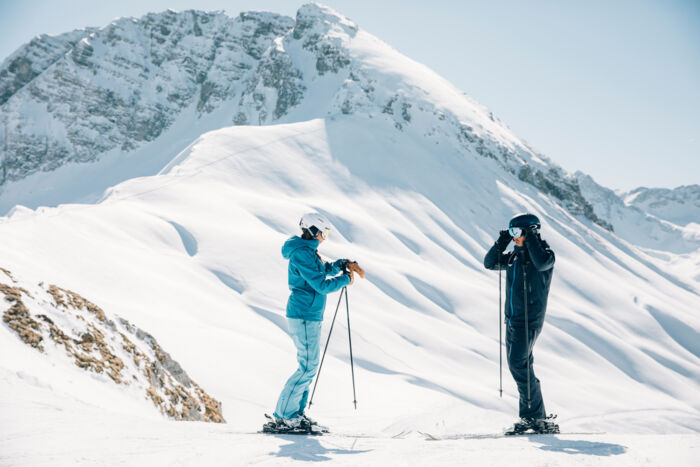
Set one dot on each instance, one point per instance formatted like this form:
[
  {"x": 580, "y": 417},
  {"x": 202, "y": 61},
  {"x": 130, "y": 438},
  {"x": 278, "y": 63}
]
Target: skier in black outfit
[{"x": 529, "y": 270}]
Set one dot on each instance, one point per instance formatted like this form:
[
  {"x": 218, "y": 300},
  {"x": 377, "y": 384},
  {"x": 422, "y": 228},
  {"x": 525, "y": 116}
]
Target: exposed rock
[
  {"x": 8, "y": 274},
  {"x": 68, "y": 299},
  {"x": 127, "y": 355},
  {"x": 321, "y": 29},
  {"x": 18, "y": 318},
  {"x": 565, "y": 189},
  {"x": 34, "y": 58},
  {"x": 122, "y": 85}
]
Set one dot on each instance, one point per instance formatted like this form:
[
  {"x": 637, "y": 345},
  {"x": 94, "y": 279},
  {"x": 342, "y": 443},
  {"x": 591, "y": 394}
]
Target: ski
[
  {"x": 292, "y": 431},
  {"x": 431, "y": 437},
  {"x": 273, "y": 428}
]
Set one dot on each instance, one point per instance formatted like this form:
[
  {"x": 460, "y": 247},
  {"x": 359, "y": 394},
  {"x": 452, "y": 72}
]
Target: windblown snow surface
[{"x": 193, "y": 256}]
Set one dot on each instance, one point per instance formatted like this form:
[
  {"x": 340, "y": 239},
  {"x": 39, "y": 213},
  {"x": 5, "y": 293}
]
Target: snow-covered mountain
[
  {"x": 91, "y": 108},
  {"x": 680, "y": 205},
  {"x": 417, "y": 180},
  {"x": 640, "y": 223},
  {"x": 193, "y": 255},
  {"x": 144, "y": 88}
]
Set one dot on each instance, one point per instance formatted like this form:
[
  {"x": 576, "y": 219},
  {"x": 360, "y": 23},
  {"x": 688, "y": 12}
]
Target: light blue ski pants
[{"x": 306, "y": 336}]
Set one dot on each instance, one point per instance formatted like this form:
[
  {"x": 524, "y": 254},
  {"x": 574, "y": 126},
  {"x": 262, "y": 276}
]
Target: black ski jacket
[{"x": 538, "y": 261}]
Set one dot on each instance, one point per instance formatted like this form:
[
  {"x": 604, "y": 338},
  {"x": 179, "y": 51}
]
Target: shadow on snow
[
  {"x": 574, "y": 446},
  {"x": 308, "y": 449}
]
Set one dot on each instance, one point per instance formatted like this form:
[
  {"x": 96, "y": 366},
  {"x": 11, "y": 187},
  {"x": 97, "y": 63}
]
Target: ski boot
[
  {"x": 527, "y": 426},
  {"x": 546, "y": 425},
  {"x": 520, "y": 427},
  {"x": 279, "y": 425},
  {"x": 311, "y": 424},
  {"x": 292, "y": 426}
]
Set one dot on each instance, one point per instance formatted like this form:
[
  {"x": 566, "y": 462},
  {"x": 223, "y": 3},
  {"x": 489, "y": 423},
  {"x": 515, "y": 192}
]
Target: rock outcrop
[{"x": 104, "y": 344}]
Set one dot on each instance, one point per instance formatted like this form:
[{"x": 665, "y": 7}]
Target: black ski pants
[{"x": 519, "y": 350}]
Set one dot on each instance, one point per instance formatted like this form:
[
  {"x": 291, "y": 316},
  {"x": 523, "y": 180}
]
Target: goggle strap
[{"x": 315, "y": 231}]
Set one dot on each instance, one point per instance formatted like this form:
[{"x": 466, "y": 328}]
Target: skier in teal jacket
[{"x": 309, "y": 284}]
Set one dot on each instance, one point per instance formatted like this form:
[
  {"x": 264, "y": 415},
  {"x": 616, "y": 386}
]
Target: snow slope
[
  {"x": 193, "y": 255},
  {"x": 417, "y": 180}
]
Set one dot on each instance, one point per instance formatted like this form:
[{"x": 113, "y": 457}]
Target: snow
[
  {"x": 192, "y": 256},
  {"x": 185, "y": 244},
  {"x": 680, "y": 205},
  {"x": 120, "y": 440}
]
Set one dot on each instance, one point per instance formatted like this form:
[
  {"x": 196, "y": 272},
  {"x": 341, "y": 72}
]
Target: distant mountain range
[{"x": 680, "y": 205}]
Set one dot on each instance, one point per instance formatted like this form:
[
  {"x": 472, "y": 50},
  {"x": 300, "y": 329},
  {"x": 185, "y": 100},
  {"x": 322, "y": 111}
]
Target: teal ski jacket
[{"x": 307, "y": 279}]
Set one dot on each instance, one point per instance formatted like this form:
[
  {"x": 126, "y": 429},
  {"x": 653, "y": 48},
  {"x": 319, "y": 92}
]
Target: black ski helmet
[{"x": 524, "y": 221}]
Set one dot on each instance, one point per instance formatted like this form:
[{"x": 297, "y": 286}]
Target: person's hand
[
  {"x": 354, "y": 267},
  {"x": 504, "y": 239},
  {"x": 352, "y": 276},
  {"x": 530, "y": 232}
]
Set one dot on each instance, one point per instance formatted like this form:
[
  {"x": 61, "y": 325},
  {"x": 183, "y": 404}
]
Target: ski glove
[
  {"x": 504, "y": 239},
  {"x": 350, "y": 274},
  {"x": 531, "y": 230},
  {"x": 351, "y": 267}
]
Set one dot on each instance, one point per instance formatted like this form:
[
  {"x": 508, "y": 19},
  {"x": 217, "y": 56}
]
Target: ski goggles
[
  {"x": 324, "y": 233},
  {"x": 516, "y": 232}
]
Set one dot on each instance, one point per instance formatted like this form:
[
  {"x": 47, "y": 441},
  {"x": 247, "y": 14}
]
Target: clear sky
[{"x": 611, "y": 88}]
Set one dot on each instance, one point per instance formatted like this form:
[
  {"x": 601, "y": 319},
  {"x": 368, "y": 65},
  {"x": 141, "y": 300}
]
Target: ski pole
[
  {"x": 352, "y": 365},
  {"x": 500, "y": 334},
  {"x": 527, "y": 334},
  {"x": 318, "y": 375}
]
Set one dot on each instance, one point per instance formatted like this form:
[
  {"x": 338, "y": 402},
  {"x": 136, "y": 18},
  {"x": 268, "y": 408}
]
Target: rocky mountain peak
[
  {"x": 322, "y": 31},
  {"x": 120, "y": 88},
  {"x": 315, "y": 19},
  {"x": 73, "y": 98},
  {"x": 30, "y": 60}
]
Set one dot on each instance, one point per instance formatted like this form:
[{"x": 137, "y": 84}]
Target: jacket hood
[{"x": 294, "y": 243}]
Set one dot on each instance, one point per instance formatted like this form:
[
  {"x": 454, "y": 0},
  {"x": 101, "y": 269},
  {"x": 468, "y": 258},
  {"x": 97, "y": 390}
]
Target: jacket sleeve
[
  {"x": 335, "y": 267},
  {"x": 305, "y": 262},
  {"x": 540, "y": 253},
  {"x": 495, "y": 259}
]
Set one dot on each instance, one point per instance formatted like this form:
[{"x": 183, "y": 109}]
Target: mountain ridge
[
  {"x": 256, "y": 68},
  {"x": 680, "y": 205}
]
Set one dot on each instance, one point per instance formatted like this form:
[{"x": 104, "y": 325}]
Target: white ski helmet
[{"x": 315, "y": 223}]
